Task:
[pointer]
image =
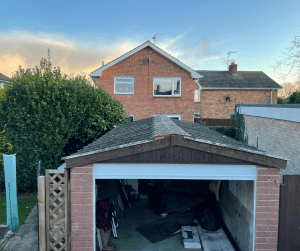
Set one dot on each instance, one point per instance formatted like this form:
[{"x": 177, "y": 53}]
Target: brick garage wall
[
  {"x": 215, "y": 106},
  {"x": 279, "y": 137},
  {"x": 142, "y": 104},
  {"x": 82, "y": 225},
  {"x": 267, "y": 208}
]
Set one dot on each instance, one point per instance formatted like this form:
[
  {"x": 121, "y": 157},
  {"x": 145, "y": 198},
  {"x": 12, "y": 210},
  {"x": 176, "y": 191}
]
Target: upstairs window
[
  {"x": 124, "y": 85},
  {"x": 166, "y": 86},
  {"x": 197, "y": 96}
]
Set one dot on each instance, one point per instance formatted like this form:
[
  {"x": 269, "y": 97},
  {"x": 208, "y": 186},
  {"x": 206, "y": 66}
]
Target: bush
[
  {"x": 280, "y": 101},
  {"x": 229, "y": 131},
  {"x": 49, "y": 115},
  {"x": 240, "y": 134},
  {"x": 294, "y": 98}
]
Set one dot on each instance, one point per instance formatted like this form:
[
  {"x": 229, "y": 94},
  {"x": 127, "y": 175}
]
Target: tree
[
  {"x": 49, "y": 115},
  {"x": 280, "y": 101},
  {"x": 294, "y": 98},
  {"x": 288, "y": 89},
  {"x": 291, "y": 60}
]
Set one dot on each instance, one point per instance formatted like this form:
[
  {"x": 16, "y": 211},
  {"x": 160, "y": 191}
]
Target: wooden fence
[
  {"x": 54, "y": 215},
  {"x": 216, "y": 122},
  {"x": 289, "y": 214}
]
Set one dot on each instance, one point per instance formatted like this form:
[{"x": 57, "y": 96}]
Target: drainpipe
[
  {"x": 271, "y": 96},
  {"x": 197, "y": 81}
]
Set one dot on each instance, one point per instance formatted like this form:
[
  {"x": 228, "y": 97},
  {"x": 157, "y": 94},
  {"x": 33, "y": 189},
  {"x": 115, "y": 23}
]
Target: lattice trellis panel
[{"x": 56, "y": 210}]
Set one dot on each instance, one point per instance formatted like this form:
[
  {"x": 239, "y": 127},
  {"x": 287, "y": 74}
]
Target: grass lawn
[{"x": 25, "y": 204}]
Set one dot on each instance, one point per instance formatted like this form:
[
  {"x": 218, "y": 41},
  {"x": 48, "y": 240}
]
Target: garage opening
[{"x": 153, "y": 203}]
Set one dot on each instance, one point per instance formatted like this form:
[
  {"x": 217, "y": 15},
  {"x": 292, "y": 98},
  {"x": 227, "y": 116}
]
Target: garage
[{"x": 165, "y": 151}]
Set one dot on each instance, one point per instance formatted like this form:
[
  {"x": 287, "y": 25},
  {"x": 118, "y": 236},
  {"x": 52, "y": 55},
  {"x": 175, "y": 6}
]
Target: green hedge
[{"x": 49, "y": 115}]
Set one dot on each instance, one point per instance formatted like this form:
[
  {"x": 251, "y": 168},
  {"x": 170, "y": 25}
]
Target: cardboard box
[{"x": 191, "y": 238}]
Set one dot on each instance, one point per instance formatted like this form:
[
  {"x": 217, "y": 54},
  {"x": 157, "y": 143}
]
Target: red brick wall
[
  {"x": 267, "y": 208},
  {"x": 82, "y": 220},
  {"x": 82, "y": 227},
  {"x": 214, "y": 105},
  {"x": 142, "y": 104}
]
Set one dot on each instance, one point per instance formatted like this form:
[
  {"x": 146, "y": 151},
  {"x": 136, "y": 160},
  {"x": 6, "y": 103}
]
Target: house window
[
  {"x": 166, "y": 86},
  {"x": 197, "y": 96},
  {"x": 124, "y": 85},
  {"x": 171, "y": 116},
  {"x": 232, "y": 115}
]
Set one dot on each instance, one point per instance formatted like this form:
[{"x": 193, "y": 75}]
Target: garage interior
[{"x": 151, "y": 216}]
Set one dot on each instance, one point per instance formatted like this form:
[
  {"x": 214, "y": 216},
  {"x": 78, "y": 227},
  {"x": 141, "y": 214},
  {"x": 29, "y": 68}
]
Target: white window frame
[
  {"x": 172, "y": 95},
  {"x": 169, "y": 115},
  {"x": 122, "y": 93},
  {"x": 197, "y": 95}
]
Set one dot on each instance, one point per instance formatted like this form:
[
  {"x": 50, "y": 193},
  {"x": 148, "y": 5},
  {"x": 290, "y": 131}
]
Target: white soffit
[
  {"x": 174, "y": 171},
  {"x": 194, "y": 74},
  {"x": 289, "y": 114}
]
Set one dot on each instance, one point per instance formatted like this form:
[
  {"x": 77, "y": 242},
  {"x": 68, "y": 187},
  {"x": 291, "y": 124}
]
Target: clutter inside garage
[{"x": 173, "y": 214}]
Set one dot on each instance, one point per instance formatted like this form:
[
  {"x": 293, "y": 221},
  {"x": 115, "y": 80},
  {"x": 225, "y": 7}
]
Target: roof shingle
[{"x": 243, "y": 80}]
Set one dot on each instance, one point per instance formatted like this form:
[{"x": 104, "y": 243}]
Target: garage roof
[{"x": 158, "y": 128}]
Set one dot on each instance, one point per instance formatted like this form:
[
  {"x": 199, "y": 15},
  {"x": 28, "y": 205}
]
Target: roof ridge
[{"x": 163, "y": 125}]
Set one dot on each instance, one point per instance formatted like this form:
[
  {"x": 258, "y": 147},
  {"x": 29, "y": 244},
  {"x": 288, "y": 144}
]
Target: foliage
[
  {"x": 294, "y": 98},
  {"x": 240, "y": 134},
  {"x": 291, "y": 59},
  {"x": 25, "y": 205},
  {"x": 288, "y": 89},
  {"x": 203, "y": 123},
  {"x": 49, "y": 115},
  {"x": 280, "y": 101},
  {"x": 2, "y": 92},
  {"x": 6, "y": 148},
  {"x": 229, "y": 131}
]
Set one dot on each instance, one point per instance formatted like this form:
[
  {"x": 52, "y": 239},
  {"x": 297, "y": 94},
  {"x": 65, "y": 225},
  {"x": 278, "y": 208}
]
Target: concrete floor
[{"x": 131, "y": 240}]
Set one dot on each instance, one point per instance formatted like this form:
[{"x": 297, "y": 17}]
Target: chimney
[
  {"x": 102, "y": 63},
  {"x": 233, "y": 68}
]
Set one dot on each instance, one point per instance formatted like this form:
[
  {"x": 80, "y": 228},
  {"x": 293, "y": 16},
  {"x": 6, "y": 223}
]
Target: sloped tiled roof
[
  {"x": 243, "y": 80},
  {"x": 98, "y": 72},
  {"x": 146, "y": 130},
  {"x": 3, "y": 77}
]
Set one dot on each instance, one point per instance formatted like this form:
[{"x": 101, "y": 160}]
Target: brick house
[
  {"x": 148, "y": 81},
  {"x": 166, "y": 149}
]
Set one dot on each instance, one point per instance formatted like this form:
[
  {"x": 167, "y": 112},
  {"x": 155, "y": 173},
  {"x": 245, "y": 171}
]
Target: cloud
[
  {"x": 21, "y": 48},
  {"x": 25, "y": 49}
]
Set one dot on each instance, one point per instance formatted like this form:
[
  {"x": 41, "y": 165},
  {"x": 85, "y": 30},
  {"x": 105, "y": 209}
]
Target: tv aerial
[{"x": 154, "y": 36}]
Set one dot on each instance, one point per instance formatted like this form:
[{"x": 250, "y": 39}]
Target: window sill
[{"x": 166, "y": 96}]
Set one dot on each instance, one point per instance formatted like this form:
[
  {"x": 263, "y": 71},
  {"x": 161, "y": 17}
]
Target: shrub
[{"x": 49, "y": 115}]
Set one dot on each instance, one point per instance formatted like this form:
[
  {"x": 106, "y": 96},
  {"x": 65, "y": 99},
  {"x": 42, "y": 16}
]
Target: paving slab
[{"x": 26, "y": 236}]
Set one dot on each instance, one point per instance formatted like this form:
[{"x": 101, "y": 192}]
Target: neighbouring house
[
  {"x": 3, "y": 80},
  {"x": 168, "y": 151},
  {"x": 276, "y": 129},
  {"x": 149, "y": 81}
]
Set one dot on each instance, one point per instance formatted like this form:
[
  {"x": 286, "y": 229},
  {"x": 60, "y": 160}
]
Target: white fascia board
[
  {"x": 289, "y": 114},
  {"x": 98, "y": 72},
  {"x": 218, "y": 88},
  {"x": 174, "y": 171}
]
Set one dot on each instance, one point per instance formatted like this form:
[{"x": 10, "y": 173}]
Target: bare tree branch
[{"x": 291, "y": 59}]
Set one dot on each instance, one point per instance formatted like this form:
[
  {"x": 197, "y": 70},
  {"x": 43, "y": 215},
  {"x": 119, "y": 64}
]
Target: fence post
[
  {"x": 47, "y": 197},
  {"x": 42, "y": 213}
]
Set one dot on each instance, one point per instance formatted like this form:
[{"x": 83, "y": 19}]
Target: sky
[{"x": 82, "y": 34}]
